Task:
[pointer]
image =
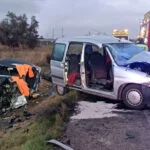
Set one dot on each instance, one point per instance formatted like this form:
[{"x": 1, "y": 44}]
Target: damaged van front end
[
  {"x": 131, "y": 75},
  {"x": 143, "y": 67}
]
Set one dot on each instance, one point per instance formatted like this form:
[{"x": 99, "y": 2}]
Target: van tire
[
  {"x": 133, "y": 97},
  {"x": 61, "y": 90}
]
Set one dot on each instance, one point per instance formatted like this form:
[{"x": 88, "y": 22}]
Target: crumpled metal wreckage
[{"x": 11, "y": 96}]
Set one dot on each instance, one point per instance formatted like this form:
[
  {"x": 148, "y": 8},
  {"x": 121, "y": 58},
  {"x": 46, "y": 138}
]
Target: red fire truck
[{"x": 145, "y": 29}]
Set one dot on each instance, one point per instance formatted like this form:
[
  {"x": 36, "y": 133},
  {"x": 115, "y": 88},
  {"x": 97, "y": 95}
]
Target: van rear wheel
[
  {"x": 133, "y": 97},
  {"x": 61, "y": 90}
]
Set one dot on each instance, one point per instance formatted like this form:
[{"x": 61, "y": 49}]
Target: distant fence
[{"x": 46, "y": 42}]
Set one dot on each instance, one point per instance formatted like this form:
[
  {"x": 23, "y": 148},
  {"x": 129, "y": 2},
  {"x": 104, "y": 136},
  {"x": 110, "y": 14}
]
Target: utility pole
[
  {"x": 62, "y": 32},
  {"x": 53, "y": 33},
  {"x": 89, "y": 33}
]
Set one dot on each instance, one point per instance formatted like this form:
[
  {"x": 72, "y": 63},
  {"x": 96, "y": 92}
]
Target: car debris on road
[
  {"x": 59, "y": 144},
  {"x": 46, "y": 76}
]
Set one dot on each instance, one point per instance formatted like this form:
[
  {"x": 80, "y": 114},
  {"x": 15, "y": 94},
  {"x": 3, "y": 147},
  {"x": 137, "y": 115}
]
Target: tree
[
  {"x": 4, "y": 31},
  {"x": 15, "y": 31},
  {"x": 32, "y": 34}
]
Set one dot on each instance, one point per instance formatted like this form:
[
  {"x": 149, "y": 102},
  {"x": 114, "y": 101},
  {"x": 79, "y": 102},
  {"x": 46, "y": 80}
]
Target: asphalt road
[{"x": 104, "y": 126}]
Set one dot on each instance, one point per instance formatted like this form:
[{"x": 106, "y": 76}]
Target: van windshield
[{"x": 123, "y": 52}]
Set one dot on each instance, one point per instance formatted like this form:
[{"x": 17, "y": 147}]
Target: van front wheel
[
  {"x": 133, "y": 97},
  {"x": 61, "y": 90}
]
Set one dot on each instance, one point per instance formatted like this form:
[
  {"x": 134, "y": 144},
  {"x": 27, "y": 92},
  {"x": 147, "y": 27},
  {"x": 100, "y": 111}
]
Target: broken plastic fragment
[
  {"x": 21, "y": 101},
  {"x": 35, "y": 95},
  {"x": 60, "y": 144}
]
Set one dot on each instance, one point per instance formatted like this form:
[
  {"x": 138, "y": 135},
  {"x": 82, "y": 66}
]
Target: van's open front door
[{"x": 58, "y": 64}]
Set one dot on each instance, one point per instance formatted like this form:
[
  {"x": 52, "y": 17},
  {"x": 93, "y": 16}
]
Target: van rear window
[{"x": 58, "y": 52}]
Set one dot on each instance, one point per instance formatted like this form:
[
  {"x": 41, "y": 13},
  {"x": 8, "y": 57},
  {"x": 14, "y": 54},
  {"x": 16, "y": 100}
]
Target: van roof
[{"x": 97, "y": 39}]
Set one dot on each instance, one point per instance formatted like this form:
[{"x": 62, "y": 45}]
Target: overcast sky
[{"x": 78, "y": 17}]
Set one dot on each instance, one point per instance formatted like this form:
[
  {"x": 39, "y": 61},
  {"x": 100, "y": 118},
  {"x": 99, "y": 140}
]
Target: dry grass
[
  {"x": 51, "y": 112},
  {"x": 37, "y": 56}
]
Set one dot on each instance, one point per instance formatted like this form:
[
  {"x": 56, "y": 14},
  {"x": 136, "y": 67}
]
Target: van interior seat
[
  {"x": 97, "y": 66},
  {"x": 74, "y": 63}
]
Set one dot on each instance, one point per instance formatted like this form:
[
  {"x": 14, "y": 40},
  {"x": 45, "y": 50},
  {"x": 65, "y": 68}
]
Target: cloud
[
  {"x": 80, "y": 16},
  {"x": 19, "y": 6}
]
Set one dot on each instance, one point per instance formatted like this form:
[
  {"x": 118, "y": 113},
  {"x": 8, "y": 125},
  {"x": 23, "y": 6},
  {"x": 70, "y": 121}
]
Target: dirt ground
[
  {"x": 100, "y": 125},
  {"x": 33, "y": 107},
  {"x": 97, "y": 124}
]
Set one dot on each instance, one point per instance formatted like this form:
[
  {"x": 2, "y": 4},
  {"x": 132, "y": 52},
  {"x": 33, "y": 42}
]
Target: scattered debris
[
  {"x": 21, "y": 101},
  {"x": 59, "y": 144},
  {"x": 13, "y": 120},
  {"x": 37, "y": 95},
  {"x": 27, "y": 114},
  {"x": 44, "y": 94},
  {"x": 130, "y": 136},
  {"x": 46, "y": 76}
]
